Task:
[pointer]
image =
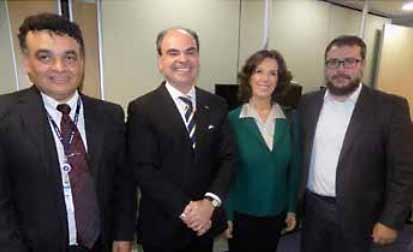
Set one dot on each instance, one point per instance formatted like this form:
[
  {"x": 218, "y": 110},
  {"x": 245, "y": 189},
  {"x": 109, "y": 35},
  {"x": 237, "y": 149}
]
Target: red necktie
[{"x": 81, "y": 182}]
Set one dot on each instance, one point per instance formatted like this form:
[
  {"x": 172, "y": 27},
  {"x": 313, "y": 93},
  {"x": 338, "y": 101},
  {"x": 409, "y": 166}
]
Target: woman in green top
[{"x": 262, "y": 199}]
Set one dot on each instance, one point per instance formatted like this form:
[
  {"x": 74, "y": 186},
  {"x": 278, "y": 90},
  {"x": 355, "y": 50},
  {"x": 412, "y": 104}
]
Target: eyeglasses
[{"x": 347, "y": 63}]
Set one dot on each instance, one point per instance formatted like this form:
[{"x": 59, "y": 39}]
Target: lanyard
[
  {"x": 57, "y": 131},
  {"x": 66, "y": 168}
]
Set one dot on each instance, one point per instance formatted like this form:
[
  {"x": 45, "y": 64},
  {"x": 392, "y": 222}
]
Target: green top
[{"x": 266, "y": 181}]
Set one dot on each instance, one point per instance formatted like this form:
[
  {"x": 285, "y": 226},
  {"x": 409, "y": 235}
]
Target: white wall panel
[{"x": 129, "y": 31}]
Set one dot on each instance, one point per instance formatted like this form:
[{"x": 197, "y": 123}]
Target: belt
[
  {"x": 96, "y": 248},
  {"x": 75, "y": 248},
  {"x": 322, "y": 197}
]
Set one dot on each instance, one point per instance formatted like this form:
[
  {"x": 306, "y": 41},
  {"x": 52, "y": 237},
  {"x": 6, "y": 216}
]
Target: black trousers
[
  {"x": 254, "y": 234},
  {"x": 197, "y": 245},
  {"x": 321, "y": 230}
]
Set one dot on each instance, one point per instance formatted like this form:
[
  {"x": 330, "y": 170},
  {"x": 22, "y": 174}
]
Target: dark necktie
[
  {"x": 190, "y": 119},
  {"x": 81, "y": 182}
]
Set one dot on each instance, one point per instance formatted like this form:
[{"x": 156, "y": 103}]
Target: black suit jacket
[
  {"x": 170, "y": 173},
  {"x": 32, "y": 207},
  {"x": 374, "y": 181}
]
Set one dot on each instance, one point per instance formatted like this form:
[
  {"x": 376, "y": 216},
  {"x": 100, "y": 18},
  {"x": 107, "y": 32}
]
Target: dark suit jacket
[
  {"x": 170, "y": 173},
  {"x": 375, "y": 168},
  {"x": 32, "y": 207}
]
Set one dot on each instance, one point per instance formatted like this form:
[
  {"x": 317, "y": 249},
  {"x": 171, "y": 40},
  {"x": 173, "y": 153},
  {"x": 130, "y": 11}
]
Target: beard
[{"x": 343, "y": 90}]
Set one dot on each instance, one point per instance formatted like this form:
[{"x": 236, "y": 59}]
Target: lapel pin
[{"x": 211, "y": 126}]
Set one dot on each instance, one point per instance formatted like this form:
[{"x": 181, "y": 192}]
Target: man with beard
[
  {"x": 181, "y": 150},
  {"x": 357, "y": 157}
]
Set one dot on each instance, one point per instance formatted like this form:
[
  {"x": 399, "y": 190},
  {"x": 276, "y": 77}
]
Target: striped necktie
[{"x": 190, "y": 119}]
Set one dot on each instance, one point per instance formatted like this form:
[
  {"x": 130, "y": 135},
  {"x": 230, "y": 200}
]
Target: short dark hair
[
  {"x": 284, "y": 76},
  {"x": 162, "y": 34},
  {"x": 348, "y": 40},
  {"x": 49, "y": 22}
]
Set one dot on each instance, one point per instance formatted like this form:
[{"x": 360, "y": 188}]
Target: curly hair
[
  {"x": 52, "y": 23},
  {"x": 284, "y": 76}
]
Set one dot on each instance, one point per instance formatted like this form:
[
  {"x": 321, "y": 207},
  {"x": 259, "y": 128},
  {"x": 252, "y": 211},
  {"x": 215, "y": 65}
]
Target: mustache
[
  {"x": 345, "y": 76},
  {"x": 180, "y": 65}
]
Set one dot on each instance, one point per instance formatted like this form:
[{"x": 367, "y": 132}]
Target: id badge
[{"x": 66, "y": 179}]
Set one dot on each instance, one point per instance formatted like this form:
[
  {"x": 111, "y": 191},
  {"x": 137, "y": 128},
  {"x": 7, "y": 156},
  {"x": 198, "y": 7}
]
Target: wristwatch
[{"x": 213, "y": 201}]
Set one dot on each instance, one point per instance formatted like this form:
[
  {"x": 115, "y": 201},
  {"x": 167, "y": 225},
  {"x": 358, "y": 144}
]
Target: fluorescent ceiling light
[{"x": 407, "y": 6}]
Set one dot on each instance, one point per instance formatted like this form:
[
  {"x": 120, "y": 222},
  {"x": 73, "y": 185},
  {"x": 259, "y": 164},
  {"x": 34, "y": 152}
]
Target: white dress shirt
[
  {"x": 50, "y": 106},
  {"x": 182, "y": 107},
  {"x": 328, "y": 140},
  {"x": 267, "y": 127}
]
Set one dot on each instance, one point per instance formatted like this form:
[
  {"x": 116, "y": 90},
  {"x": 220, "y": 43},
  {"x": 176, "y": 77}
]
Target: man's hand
[
  {"x": 383, "y": 235},
  {"x": 197, "y": 216},
  {"x": 122, "y": 246}
]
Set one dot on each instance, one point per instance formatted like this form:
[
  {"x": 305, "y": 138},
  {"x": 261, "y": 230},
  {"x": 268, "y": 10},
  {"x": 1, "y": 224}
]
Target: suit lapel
[
  {"x": 94, "y": 127},
  {"x": 202, "y": 121},
  {"x": 357, "y": 120},
  {"x": 312, "y": 116},
  {"x": 171, "y": 115},
  {"x": 35, "y": 124},
  {"x": 37, "y": 128}
]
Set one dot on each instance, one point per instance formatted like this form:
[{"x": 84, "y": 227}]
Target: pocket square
[{"x": 210, "y": 127}]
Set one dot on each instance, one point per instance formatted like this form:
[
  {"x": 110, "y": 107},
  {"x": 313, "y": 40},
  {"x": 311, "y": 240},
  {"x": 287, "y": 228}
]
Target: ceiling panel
[{"x": 388, "y": 8}]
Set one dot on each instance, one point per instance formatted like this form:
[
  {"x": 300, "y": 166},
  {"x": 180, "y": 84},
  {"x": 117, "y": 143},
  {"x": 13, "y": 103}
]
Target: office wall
[
  {"x": 18, "y": 10},
  {"x": 230, "y": 30},
  {"x": 7, "y": 70},
  {"x": 85, "y": 14},
  {"x": 397, "y": 40},
  {"x": 129, "y": 31},
  {"x": 301, "y": 29}
]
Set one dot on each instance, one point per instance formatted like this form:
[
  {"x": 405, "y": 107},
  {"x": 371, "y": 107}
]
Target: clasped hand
[{"x": 197, "y": 216}]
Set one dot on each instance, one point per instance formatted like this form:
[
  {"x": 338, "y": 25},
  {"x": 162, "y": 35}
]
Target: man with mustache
[
  {"x": 357, "y": 157},
  {"x": 181, "y": 150}
]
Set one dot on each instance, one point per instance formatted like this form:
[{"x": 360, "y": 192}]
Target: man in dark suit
[
  {"x": 181, "y": 149},
  {"x": 64, "y": 185},
  {"x": 357, "y": 157}
]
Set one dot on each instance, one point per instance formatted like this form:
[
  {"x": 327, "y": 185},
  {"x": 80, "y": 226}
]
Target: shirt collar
[
  {"x": 248, "y": 110},
  {"x": 351, "y": 99},
  {"x": 175, "y": 93},
  {"x": 51, "y": 103}
]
